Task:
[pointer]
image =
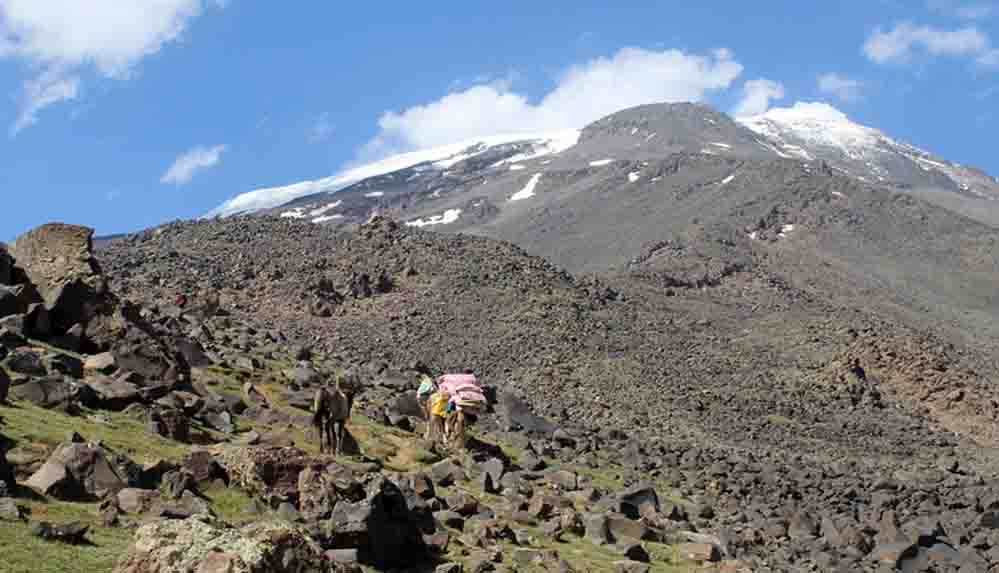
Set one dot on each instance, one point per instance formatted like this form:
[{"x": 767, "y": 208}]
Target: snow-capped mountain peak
[
  {"x": 818, "y": 131},
  {"x": 818, "y": 124}
]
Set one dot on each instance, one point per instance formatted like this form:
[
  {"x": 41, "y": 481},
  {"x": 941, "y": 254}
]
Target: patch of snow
[
  {"x": 517, "y": 168},
  {"x": 654, "y": 179},
  {"x": 719, "y": 144},
  {"x": 838, "y": 194},
  {"x": 634, "y": 130},
  {"x": 601, "y": 162},
  {"x": 324, "y": 210},
  {"x": 295, "y": 213},
  {"x": 449, "y": 216},
  {"x": 374, "y": 194},
  {"x": 784, "y": 230},
  {"x": 633, "y": 176},
  {"x": 528, "y": 190},
  {"x": 265, "y": 198},
  {"x": 552, "y": 145},
  {"x": 754, "y": 235},
  {"x": 325, "y": 218},
  {"x": 546, "y": 161},
  {"x": 798, "y": 151},
  {"x": 728, "y": 179},
  {"x": 707, "y": 151}
]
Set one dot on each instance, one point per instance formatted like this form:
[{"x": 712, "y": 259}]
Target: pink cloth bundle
[{"x": 461, "y": 387}]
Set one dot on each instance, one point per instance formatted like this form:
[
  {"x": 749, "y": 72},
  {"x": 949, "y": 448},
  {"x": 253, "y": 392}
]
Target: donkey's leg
[
  {"x": 320, "y": 433},
  {"x": 339, "y": 426},
  {"x": 459, "y": 430},
  {"x": 430, "y": 421},
  {"x": 330, "y": 436}
]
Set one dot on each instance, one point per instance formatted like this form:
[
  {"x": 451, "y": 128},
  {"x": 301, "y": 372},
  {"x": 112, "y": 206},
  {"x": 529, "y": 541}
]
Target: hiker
[{"x": 465, "y": 403}]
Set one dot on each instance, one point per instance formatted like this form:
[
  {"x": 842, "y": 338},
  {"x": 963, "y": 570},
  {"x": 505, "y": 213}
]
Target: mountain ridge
[{"x": 806, "y": 131}]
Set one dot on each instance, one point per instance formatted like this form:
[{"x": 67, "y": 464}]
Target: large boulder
[
  {"x": 266, "y": 471},
  {"x": 639, "y": 501},
  {"x": 58, "y": 261},
  {"x": 518, "y": 415},
  {"x": 170, "y": 423},
  {"x": 382, "y": 528},
  {"x": 111, "y": 393},
  {"x": 12, "y": 300},
  {"x": 77, "y": 472},
  {"x": 50, "y": 392},
  {"x": 203, "y": 545},
  {"x": 144, "y": 356}
]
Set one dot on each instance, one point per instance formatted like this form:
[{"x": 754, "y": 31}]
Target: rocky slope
[{"x": 718, "y": 375}]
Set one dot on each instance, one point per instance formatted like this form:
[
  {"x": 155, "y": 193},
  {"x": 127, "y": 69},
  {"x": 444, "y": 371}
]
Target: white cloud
[
  {"x": 756, "y": 96},
  {"x": 898, "y": 44},
  {"x": 192, "y": 161},
  {"x": 846, "y": 89},
  {"x": 52, "y": 86},
  {"x": 322, "y": 129},
  {"x": 64, "y": 37},
  {"x": 583, "y": 93}
]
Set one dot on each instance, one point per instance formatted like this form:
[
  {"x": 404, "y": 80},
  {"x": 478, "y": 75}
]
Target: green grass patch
[
  {"x": 230, "y": 504},
  {"x": 26, "y": 423},
  {"x": 24, "y": 553}
]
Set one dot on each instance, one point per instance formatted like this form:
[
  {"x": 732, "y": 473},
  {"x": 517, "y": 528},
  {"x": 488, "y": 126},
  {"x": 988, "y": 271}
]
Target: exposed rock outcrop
[{"x": 207, "y": 546}]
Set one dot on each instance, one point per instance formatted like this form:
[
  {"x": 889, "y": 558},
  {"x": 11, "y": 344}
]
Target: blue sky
[{"x": 125, "y": 115}]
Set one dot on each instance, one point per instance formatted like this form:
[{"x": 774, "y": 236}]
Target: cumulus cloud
[
  {"x": 756, "y": 96},
  {"x": 192, "y": 161},
  {"x": 63, "y": 37},
  {"x": 846, "y": 89},
  {"x": 898, "y": 44},
  {"x": 582, "y": 94}
]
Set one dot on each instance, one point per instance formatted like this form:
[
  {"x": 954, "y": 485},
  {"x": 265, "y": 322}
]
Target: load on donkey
[{"x": 452, "y": 403}]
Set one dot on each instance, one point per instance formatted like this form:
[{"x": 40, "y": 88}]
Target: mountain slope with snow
[
  {"x": 806, "y": 131},
  {"x": 440, "y": 158}
]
